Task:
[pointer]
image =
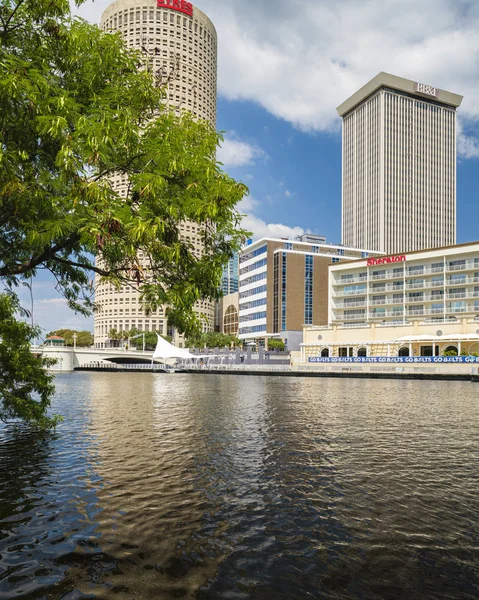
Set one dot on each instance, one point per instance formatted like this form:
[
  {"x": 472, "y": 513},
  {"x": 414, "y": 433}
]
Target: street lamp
[
  {"x": 74, "y": 340},
  {"x": 135, "y": 336}
]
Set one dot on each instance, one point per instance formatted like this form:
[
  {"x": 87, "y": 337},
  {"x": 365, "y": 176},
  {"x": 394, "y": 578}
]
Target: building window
[
  {"x": 254, "y": 266},
  {"x": 253, "y": 278},
  {"x": 254, "y": 253},
  {"x": 308, "y": 291},
  {"x": 283, "y": 293},
  {"x": 259, "y": 290},
  {"x": 276, "y": 293},
  {"x": 231, "y": 321},
  {"x": 254, "y": 329}
]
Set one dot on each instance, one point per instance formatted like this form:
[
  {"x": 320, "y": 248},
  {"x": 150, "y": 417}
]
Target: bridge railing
[{"x": 122, "y": 367}]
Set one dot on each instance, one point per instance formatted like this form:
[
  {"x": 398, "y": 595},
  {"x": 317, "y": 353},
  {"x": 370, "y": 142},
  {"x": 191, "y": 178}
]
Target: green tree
[
  {"x": 84, "y": 338},
  {"x": 76, "y": 106},
  {"x": 213, "y": 339},
  {"x": 23, "y": 374},
  {"x": 276, "y": 344}
]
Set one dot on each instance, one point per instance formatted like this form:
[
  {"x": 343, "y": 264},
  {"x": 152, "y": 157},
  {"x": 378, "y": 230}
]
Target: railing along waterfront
[{"x": 242, "y": 367}]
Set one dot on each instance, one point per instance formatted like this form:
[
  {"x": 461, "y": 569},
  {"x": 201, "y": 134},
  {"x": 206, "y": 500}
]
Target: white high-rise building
[
  {"x": 399, "y": 166},
  {"x": 181, "y": 39}
]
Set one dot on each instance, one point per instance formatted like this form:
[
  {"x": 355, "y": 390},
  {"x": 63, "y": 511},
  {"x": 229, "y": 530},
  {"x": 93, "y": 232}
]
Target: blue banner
[{"x": 395, "y": 359}]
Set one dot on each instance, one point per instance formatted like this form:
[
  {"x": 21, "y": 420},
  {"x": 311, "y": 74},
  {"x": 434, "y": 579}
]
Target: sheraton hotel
[
  {"x": 399, "y": 196},
  {"x": 413, "y": 291}
]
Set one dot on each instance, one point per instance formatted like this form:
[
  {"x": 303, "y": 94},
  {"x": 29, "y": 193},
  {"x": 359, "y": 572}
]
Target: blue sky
[{"x": 284, "y": 66}]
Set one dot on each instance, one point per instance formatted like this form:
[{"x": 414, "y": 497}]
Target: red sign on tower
[{"x": 180, "y": 5}]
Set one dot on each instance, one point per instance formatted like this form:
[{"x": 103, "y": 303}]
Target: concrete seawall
[
  {"x": 426, "y": 372},
  {"x": 349, "y": 374}
]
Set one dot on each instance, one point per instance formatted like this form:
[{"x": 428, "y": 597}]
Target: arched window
[
  {"x": 362, "y": 352},
  {"x": 325, "y": 352},
  {"x": 451, "y": 351},
  {"x": 474, "y": 348},
  {"x": 231, "y": 321},
  {"x": 404, "y": 351}
]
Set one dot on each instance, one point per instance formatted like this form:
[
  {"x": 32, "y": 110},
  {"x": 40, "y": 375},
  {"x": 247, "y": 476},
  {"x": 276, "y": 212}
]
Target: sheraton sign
[
  {"x": 179, "y": 5},
  {"x": 386, "y": 260}
]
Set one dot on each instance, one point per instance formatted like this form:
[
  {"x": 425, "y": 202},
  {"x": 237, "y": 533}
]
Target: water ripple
[{"x": 209, "y": 487}]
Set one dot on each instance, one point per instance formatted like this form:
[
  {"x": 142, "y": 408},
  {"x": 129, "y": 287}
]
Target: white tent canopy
[{"x": 165, "y": 351}]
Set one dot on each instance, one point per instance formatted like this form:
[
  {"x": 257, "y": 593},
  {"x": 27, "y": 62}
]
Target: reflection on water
[{"x": 205, "y": 487}]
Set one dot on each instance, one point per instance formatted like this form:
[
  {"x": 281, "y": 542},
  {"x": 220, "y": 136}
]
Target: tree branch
[
  {"x": 47, "y": 254},
  {"x": 90, "y": 267},
  {"x": 5, "y": 26}
]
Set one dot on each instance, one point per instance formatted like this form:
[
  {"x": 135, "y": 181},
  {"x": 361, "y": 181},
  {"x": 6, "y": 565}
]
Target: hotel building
[
  {"x": 421, "y": 303},
  {"x": 399, "y": 166},
  {"x": 180, "y": 40},
  {"x": 284, "y": 285}
]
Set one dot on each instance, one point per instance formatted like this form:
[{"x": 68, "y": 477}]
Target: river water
[{"x": 234, "y": 487}]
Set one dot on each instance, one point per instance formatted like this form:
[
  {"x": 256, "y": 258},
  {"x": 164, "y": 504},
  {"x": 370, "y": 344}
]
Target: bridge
[{"x": 68, "y": 358}]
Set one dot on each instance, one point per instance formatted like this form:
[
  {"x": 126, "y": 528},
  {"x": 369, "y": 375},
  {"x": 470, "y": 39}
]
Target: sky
[{"x": 283, "y": 68}]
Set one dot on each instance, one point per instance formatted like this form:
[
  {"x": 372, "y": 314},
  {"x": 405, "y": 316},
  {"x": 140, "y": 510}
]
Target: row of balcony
[
  {"x": 399, "y": 321},
  {"x": 468, "y": 266},
  {"x": 408, "y": 300},
  {"x": 409, "y": 286},
  {"x": 409, "y": 313}
]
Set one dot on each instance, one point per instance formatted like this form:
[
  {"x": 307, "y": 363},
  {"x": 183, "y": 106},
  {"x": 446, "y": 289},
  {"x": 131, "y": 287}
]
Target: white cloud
[
  {"x": 51, "y": 312},
  {"x": 467, "y": 146},
  {"x": 300, "y": 59},
  {"x": 261, "y": 229},
  {"x": 236, "y": 153},
  {"x": 247, "y": 204}
]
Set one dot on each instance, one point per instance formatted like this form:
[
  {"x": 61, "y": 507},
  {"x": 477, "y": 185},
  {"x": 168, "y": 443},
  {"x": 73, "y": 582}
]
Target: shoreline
[{"x": 353, "y": 374}]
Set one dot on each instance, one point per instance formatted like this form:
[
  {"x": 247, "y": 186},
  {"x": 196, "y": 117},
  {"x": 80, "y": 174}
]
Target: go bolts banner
[{"x": 394, "y": 359}]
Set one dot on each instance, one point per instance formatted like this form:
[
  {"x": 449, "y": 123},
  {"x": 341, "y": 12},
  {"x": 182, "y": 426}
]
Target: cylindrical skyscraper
[{"x": 181, "y": 40}]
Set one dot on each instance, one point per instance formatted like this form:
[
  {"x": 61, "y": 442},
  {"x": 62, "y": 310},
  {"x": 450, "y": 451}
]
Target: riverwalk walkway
[{"x": 423, "y": 372}]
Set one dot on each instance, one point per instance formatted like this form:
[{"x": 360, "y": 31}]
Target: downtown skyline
[{"x": 282, "y": 72}]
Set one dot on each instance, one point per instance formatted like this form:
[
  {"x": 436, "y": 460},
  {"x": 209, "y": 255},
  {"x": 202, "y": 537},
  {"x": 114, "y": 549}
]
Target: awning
[
  {"x": 165, "y": 351},
  {"x": 437, "y": 338}
]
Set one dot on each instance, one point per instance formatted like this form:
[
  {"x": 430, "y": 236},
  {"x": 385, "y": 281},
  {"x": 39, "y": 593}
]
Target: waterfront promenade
[{"x": 132, "y": 361}]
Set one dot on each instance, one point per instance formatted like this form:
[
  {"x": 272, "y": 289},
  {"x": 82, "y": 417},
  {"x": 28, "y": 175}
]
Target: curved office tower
[
  {"x": 179, "y": 38},
  {"x": 399, "y": 166}
]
